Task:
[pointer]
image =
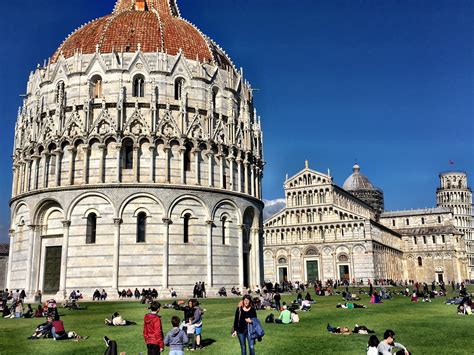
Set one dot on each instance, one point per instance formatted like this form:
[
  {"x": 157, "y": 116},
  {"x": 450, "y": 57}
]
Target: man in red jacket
[{"x": 152, "y": 331}]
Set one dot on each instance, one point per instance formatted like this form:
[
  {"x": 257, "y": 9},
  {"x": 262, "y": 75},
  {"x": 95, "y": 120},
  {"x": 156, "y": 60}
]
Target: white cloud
[{"x": 272, "y": 207}]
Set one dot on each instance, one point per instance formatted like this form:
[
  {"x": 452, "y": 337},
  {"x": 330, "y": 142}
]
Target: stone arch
[
  {"x": 135, "y": 196},
  {"x": 222, "y": 203},
  {"x": 187, "y": 197},
  {"x": 85, "y": 195}
]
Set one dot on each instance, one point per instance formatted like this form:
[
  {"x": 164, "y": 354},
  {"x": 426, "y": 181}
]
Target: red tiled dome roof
[{"x": 154, "y": 25}]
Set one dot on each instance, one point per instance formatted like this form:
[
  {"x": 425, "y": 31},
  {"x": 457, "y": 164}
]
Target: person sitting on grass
[
  {"x": 414, "y": 297},
  {"x": 96, "y": 295},
  {"x": 59, "y": 333},
  {"x": 176, "y": 338},
  {"x": 39, "y": 312},
  {"x": 117, "y": 321},
  {"x": 222, "y": 292},
  {"x": 285, "y": 316},
  {"x": 387, "y": 345},
  {"x": 372, "y": 345},
  {"x": 29, "y": 312},
  {"x": 43, "y": 330}
]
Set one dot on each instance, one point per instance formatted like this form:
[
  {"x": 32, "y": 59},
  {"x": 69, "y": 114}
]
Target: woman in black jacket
[{"x": 243, "y": 316}]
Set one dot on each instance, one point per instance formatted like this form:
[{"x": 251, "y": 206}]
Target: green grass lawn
[{"x": 432, "y": 328}]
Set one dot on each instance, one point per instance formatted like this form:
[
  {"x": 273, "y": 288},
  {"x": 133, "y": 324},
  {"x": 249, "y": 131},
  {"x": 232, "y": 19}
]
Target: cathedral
[
  {"x": 137, "y": 161},
  {"x": 328, "y": 232}
]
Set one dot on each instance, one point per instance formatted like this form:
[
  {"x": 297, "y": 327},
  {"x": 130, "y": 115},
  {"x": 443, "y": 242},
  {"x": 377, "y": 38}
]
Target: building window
[
  {"x": 393, "y": 223},
  {"x": 96, "y": 86},
  {"x": 439, "y": 219},
  {"x": 187, "y": 217},
  {"x": 420, "y": 262},
  {"x": 407, "y": 222},
  {"x": 223, "y": 229},
  {"x": 282, "y": 260},
  {"x": 422, "y": 220},
  {"x": 60, "y": 92},
  {"x": 414, "y": 239},
  {"x": 91, "y": 228},
  {"x": 128, "y": 154},
  {"x": 141, "y": 227},
  {"x": 178, "y": 88},
  {"x": 424, "y": 239},
  {"x": 434, "y": 239},
  {"x": 442, "y": 239},
  {"x": 138, "y": 89},
  {"x": 215, "y": 91}
]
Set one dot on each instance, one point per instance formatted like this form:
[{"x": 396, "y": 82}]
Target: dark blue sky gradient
[{"x": 389, "y": 83}]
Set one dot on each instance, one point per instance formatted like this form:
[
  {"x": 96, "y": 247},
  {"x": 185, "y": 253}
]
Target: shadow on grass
[{"x": 207, "y": 342}]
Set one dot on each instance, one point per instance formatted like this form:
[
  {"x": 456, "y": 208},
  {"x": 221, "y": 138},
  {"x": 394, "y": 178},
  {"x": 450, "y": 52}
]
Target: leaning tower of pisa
[{"x": 455, "y": 193}]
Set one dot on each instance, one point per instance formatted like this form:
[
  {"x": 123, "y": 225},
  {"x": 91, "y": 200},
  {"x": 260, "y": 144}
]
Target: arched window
[
  {"x": 60, "y": 91},
  {"x": 91, "y": 228},
  {"x": 138, "y": 89},
  {"x": 434, "y": 239},
  {"x": 420, "y": 262},
  {"x": 96, "y": 86},
  {"x": 186, "y": 219},
  {"x": 223, "y": 227},
  {"x": 127, "y": 154},
  {"x": 439, "y": 219},
  {"x": 141, "y": 227},
  {"x": 178, "y": 88},
  {"x": 282, "y": 260},
  {"x": 407, "y": 222},
  {"x": 422, "y": 220},
  {"x": 215, "y": 91},
  {"x": 393, "y": 223},
  {"x": 424, "y": 239}
]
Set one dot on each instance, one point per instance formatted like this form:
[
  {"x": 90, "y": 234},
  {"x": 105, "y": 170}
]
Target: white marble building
[
  {"x": 137, "y": 161},
  {"x": 326, "y": 232}
]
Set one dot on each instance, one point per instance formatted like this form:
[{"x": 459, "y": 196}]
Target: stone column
[
  {"x": 44, "y": 159},
  {"x": 166, "y": 149},
  {"x": 182, "y": 152},
  {"x": 102, "y": 150},
  {"x": 19, "y": 177},
  {"x": 252, "y": 180},
  {"x": 152, "y": 162},
  {"x": 239, "y": 173},
  {"x": 64, "y": 252},
  {"x": 11, "y": 234},
  {"x": 210, "y": 225},
  {"x": 246, "y": 176},
  {"x": 221, "y": 169},
  {"x": 118, "y": 161},
  {"x": 15, "y": 182},
  {"x": 29, "y": 264},
  {"x": 28, "y": 174},
  {"x": 57, "y": 169},
  {"x": 231, "y": 173},
  {"x": 209, "y": 168},
  {"x": 85, "y": 164},
  {"x": 136, "y": 163},
  {"x": 72, "y": 157},
  {"x": 166, "y": 224},
  {"x": 241, "y": 256},
  {"x": 115, "y": 272},
  {"x": 196, "y": 152},
  {"x": 256, "y": 254}
]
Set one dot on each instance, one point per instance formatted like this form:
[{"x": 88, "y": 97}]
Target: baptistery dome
[
  {"x": 137, "y": 161},
  {"x": 153, "y": 25}
]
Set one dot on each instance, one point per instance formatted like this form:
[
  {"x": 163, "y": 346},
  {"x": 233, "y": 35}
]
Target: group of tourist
[
  {"x": 199, "y": 290},
  {"x": 99, "y": 295}
]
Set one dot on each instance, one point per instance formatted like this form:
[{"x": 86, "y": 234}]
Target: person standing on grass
[
  {"x": 387, "y": 345},
  {"x": 176, "y": 338},
  {"x": 243, "y": 316},
  {"x": 152, "y": 331}
]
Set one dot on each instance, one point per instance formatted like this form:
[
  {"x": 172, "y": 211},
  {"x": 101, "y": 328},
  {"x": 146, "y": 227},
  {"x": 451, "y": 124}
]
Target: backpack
[{"x": 270, "y": 318}]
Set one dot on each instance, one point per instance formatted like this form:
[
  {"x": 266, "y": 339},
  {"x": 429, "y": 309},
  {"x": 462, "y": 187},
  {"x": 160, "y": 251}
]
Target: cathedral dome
[
  {"x": 357, "y": 181},
  {"x": 148, "y": 25}
]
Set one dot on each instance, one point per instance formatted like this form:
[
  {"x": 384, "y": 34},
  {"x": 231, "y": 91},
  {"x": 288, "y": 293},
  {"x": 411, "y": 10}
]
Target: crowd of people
[{"x": 186, "y": 332}]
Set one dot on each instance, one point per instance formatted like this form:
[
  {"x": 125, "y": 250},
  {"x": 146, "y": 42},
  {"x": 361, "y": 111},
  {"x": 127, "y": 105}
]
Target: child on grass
[{"x": 176, "y": 338}]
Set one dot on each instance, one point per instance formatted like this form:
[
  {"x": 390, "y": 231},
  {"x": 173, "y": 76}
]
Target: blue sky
[{"x": 389, "y": 83}]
